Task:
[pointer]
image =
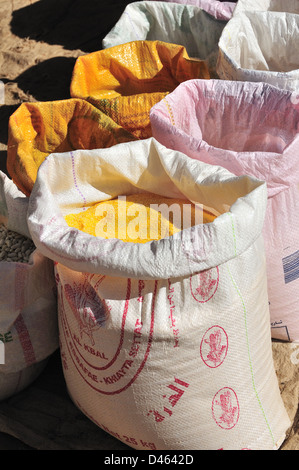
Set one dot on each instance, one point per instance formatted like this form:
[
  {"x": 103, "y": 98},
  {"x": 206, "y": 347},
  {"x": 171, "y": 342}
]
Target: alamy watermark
[
  {"x": 136, "y": 222},
  {"x": 2, "y": 93}
]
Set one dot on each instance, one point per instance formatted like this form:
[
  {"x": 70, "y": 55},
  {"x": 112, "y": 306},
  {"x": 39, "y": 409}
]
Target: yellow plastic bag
[
  {"x": 38, "y": 129},
  {"x": 126, "y": 80}
]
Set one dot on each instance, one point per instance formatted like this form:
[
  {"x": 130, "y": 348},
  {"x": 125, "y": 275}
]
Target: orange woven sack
[
  {"x": 126, "y": 80},
  {"x": 38, "y": 129}
]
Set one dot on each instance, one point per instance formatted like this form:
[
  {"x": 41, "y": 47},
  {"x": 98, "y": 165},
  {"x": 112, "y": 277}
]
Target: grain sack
[
  {"x": 291, "y": 6},
  {"x": 248, "y": 128},
  {"x": 28, "y": 304},
  {"x": 125, "y": 81},
  {"x": 220, "y": 10},
  {"x": 261, "y": 46},
  {"x": 37, "y": 129},
  {"x": 166, "y": 344},
  {"x": 187, "y": 25}
]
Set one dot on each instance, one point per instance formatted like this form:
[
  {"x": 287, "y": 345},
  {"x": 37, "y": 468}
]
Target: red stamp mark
[
  {"x": 214, "y": 346},
  {"x": 141, "y": 286},
  {"x": 89, "y": 309},
  {"x": 204, "y": 284},
  {"x": 173, "y": 399},
  {"x": 225, "y": 408}
]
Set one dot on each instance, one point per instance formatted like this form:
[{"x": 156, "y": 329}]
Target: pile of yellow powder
[{"x": 139, "y": 218}]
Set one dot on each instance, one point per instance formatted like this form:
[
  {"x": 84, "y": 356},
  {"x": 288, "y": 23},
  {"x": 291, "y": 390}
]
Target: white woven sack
[
  {"x": 28, "y": 303},
  {"x": 261, "y": 46},
  {"x": 289, "y": 6},
  {"x": 186, "y": 25},
  {"x": 165, "y": 345}
]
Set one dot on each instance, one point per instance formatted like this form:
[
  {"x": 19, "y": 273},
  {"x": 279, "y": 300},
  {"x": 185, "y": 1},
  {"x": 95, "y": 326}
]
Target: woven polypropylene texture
[
  {"x": 28, "y": 302},
  {"x": 185, "y": 25},
  {"x": 219, "y": 10},
  {"x": 125, "y": 81},
  {"x": 38, "y": 129},
  {"x": 248, "y": 128}
]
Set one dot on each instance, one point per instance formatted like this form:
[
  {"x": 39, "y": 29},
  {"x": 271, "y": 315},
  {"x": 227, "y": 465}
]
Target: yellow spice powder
[{"x": 139, "y": 218}]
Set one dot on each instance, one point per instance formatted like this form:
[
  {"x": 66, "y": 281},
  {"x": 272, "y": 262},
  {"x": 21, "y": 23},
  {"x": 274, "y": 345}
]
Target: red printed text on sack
[
  {"x": 120, "y": 369},
  {"x": 172, "y": 400},
  {"x": 173, "y": 321},
  {"x": 119, "y": 374}
]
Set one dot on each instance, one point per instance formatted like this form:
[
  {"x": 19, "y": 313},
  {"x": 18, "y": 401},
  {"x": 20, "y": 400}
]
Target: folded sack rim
[{"x": 171, "y": 257}]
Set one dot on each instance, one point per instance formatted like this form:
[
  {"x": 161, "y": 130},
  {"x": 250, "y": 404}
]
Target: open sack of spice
[
  {"x": 37, "y": 129},
  {"x": 125, "y": 81},
  {"x": 28, "y": 302},
  {"x": 175, "y": 23},
  {"x": 162, "y": 288},
  {"x": 219, "y": 10},
  {"x": 261, "y": 46},
  {"x": 248, "y": 128}
]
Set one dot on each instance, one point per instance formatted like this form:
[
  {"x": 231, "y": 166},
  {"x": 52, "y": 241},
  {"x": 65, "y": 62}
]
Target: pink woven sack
[
  {"x": 261, "y": 46},
  {"x": 248, "y": 128}
]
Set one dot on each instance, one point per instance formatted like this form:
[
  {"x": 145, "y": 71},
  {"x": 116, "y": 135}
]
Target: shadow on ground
[
  {"x": 3, "y": 162},
  {"x": 49, "y": 80}
]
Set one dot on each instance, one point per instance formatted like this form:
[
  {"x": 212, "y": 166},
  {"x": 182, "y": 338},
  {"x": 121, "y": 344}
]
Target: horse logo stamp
[
  {"x": 204, "y": 284},
  {"x": 225, "y": 408}
]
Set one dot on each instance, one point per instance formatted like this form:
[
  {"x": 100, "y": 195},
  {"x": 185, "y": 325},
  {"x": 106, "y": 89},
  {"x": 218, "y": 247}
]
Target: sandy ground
[{"x": 39, "y": 43}]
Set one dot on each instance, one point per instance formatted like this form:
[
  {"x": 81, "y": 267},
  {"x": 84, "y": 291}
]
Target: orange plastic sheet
[
  {"x": 38, "y": 129},
  {"x": 126, "y": 80}
]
